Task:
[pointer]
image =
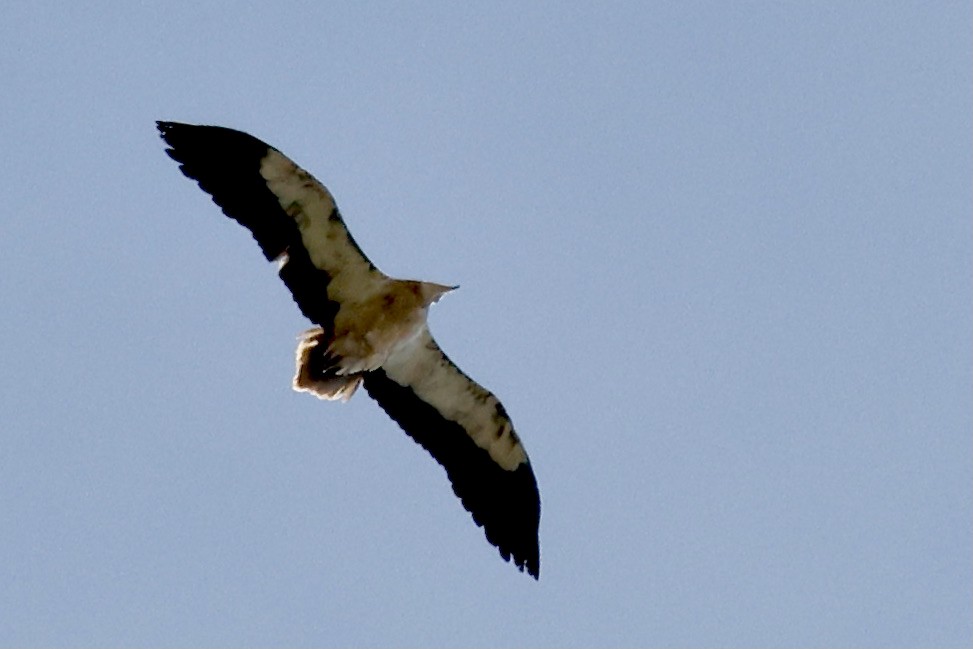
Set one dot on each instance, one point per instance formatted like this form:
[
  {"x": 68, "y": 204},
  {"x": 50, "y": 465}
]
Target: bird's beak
[
  {"x": 445, "y": 290},
  {"x": 435, "y": 291}
]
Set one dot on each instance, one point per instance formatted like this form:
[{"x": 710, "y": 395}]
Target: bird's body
[
  {"x": 367, "y": 330},
  {"x": 371, "y": 329}
]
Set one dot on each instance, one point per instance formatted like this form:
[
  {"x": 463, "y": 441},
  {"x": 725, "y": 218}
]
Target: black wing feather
[
  {"x": 226, "y": 165},
  {"x": 505, "y": 503}
]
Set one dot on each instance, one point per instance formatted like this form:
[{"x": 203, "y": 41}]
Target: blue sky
[{"x": 715, "y": 259}]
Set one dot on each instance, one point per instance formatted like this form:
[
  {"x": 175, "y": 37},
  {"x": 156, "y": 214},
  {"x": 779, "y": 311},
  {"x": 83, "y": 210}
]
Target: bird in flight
[{"x": 370, "y": 329}]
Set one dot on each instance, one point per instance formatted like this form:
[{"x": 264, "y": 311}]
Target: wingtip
[
  {"x": 532, "y": 567},
  {"x": 528, "y": 561},
  {"x": 165, "y": 130}
]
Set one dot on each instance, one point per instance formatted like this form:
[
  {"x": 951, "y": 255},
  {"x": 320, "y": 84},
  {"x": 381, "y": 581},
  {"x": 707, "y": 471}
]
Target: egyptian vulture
[{"x": 371, "y": 329}]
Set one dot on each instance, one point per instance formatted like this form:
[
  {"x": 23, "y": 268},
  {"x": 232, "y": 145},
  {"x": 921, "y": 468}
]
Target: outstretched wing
[
  {"x": 292, "y": 216},
  {"x": 466, "y": 429}
]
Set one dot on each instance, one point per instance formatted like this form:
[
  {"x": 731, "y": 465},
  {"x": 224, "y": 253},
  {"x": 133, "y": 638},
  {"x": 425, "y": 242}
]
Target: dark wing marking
[
  {"x": 284, "y": 208},
  {"x": 465, "y": 428}
]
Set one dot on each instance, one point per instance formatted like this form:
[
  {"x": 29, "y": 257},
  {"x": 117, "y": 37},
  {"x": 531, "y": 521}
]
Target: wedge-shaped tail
[{"x": 319, "y": 371}]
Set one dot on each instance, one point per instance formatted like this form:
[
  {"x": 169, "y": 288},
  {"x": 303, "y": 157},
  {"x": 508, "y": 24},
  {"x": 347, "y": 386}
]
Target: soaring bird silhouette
[{"x": 371, "y": 329}]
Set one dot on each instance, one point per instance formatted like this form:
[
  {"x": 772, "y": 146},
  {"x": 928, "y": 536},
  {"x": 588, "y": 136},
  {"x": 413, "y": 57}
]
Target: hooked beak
[{"x": 435, "y": 291}]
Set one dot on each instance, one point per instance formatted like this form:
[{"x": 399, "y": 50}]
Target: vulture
[{"x": 370, "y": 330}]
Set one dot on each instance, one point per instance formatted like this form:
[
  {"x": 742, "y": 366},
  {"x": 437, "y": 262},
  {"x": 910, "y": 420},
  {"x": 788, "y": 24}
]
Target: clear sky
[{"x": 715, "y": 260}]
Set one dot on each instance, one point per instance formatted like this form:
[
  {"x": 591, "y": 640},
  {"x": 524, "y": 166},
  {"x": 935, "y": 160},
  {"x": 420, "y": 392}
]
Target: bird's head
[{"x": 431, "y": 292}]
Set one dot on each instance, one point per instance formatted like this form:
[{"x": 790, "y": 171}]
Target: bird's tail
[{"x": 318, "y": 369}]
